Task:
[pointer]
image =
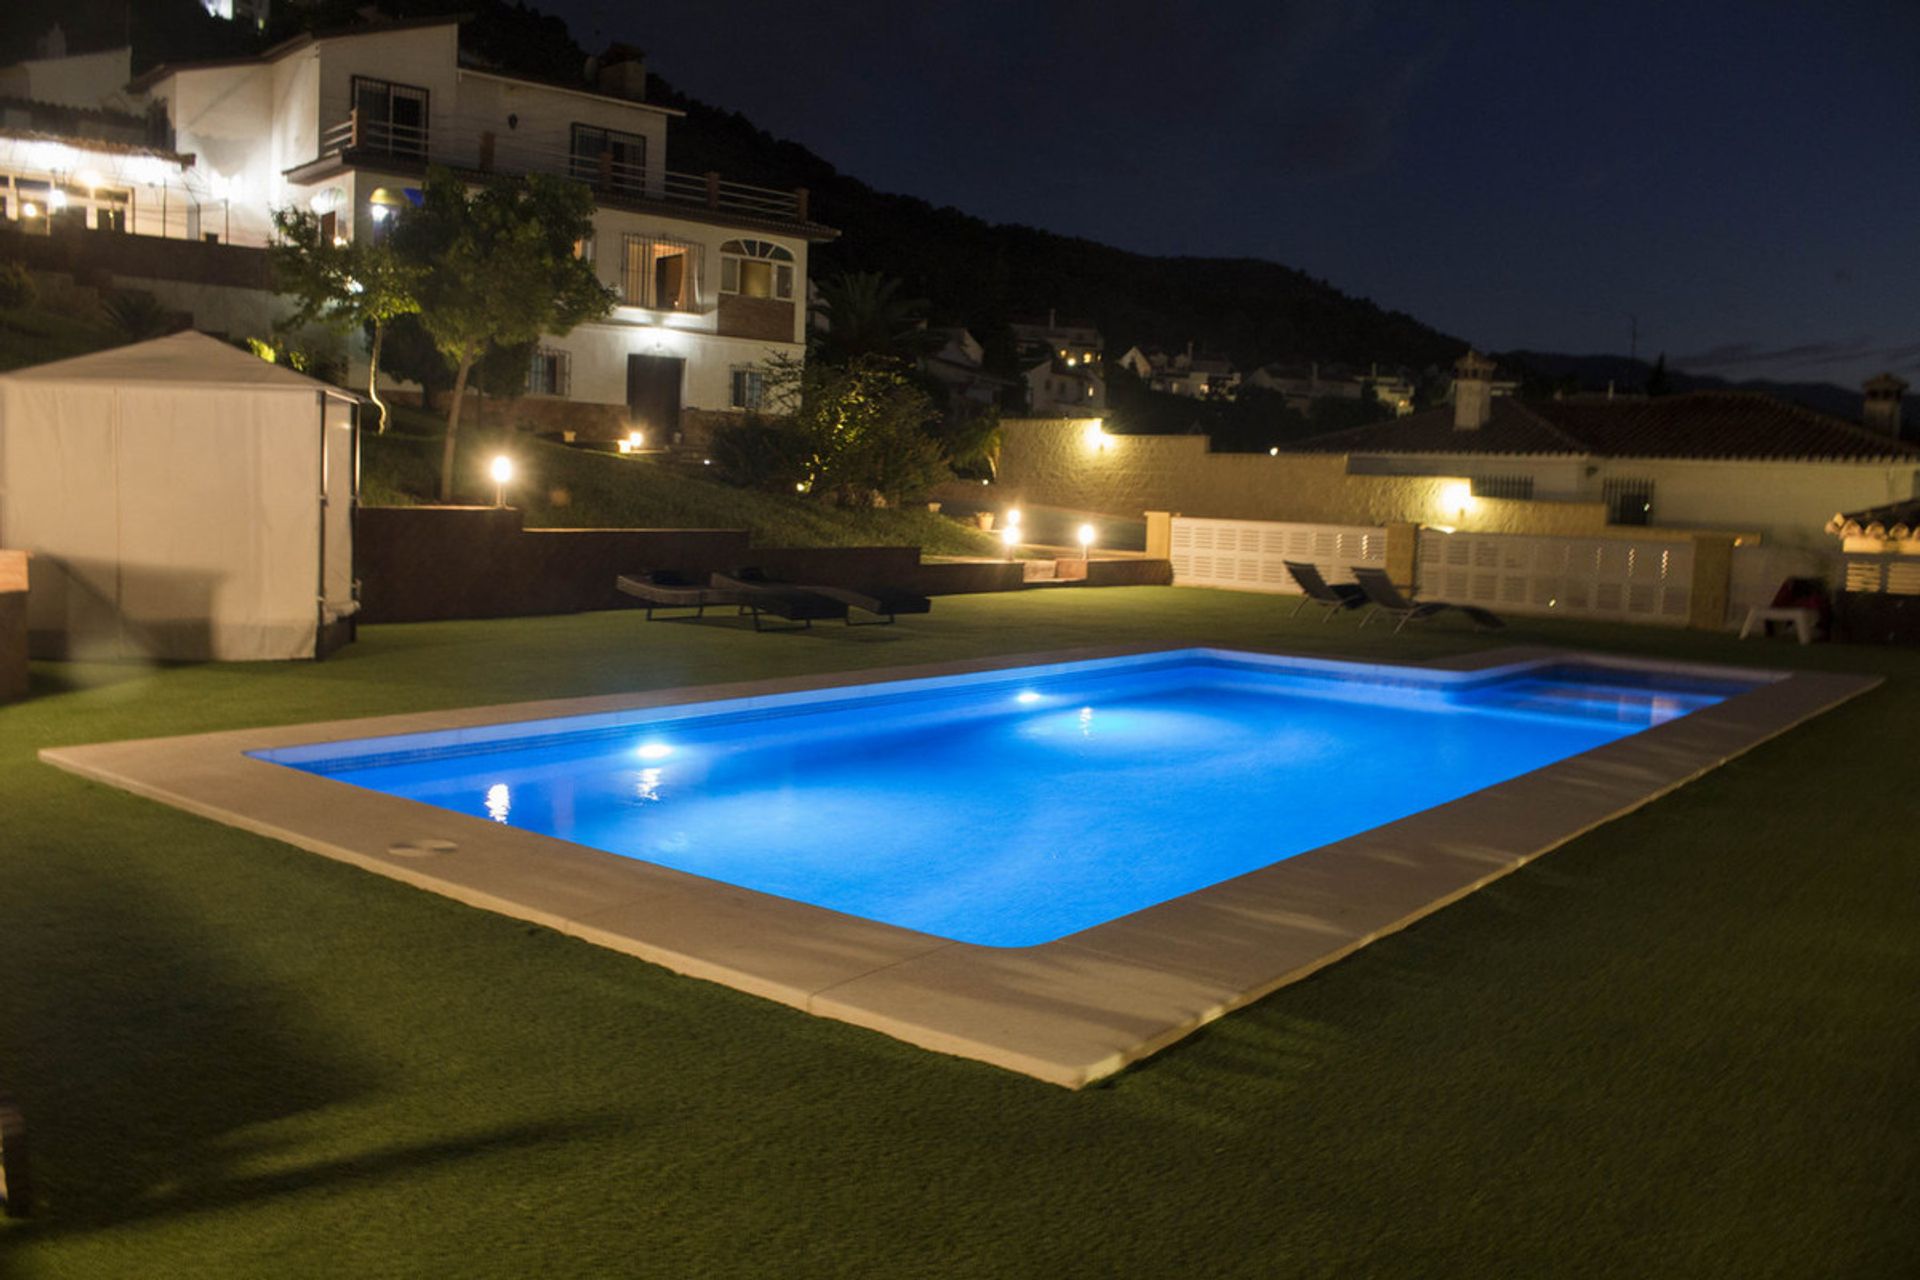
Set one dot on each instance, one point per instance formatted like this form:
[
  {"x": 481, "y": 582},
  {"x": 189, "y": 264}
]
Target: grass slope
[
  {"x": 36, "y": 335},
  {"x": 560, "y": 487},
  {"x": 1684, "y": 1044}
]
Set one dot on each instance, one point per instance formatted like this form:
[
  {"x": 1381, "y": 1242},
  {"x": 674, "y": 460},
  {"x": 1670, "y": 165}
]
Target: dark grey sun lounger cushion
[
  {"x": 1384, "y": 596},
  {"x": 1334, "y": 597}
]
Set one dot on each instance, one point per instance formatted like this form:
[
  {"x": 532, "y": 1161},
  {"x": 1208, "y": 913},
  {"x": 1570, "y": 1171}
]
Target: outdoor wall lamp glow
[
  {"x": 502, "y": 472},
  {"x": 1096, "y": 436},
  {"x": 1010, "y": 535},
  {"x": 1457, "y": 497},
  {"x": 1086, "y": 539},
  {"x": 632, "y": 443}
]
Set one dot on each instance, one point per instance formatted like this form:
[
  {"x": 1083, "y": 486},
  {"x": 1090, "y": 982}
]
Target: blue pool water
[{"x": 1011, "y": 808}]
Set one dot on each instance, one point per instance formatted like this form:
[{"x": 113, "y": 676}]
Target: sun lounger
[
  {"x": 1333, "y": 597},
  {"x": 801, "y": 605},
  {"x": 667, "y": 589},
  {"x": 881, "y": 602},
  {"x": 1386, "y": 598}
]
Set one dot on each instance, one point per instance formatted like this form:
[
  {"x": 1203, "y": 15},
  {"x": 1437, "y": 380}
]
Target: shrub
[
  {"x": 756, "y": 454},
  {"x": 136, "y": 316},
  {"x": 16, "y": 287}
]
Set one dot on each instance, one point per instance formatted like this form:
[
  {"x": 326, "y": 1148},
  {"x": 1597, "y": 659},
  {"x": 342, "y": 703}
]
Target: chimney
[
  {"x": 1881, "y": 412},
  {"x": 621, "y": 73},
  {"x": 1472, "y": 391}
]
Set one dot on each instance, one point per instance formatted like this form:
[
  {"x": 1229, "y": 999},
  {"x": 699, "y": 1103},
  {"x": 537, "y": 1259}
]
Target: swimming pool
[
  {"x": 1123, "y": 740},
  {"x": 1017, "y": 809}
]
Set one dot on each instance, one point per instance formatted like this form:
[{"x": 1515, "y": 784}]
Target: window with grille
[
  {"x": 660, "y": 273},
  {"x": 609, "y": 159},
  {"x": 1519, "y": 487},
  {"x": 756, "y": 269},
  {"x": 749, "y": 389},
  {"x": 548, "y": 374},
  {"x": 392, "y": 117},
  {"x": 1628, "y": 501}
]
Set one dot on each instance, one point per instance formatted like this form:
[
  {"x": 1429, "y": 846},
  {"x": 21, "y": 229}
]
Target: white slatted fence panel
[
  {"x": 1628, "y": 580},
  {"x": 1246, "y": 555}
]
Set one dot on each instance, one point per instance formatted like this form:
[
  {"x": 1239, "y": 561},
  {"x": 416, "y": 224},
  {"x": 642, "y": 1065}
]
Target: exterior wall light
[
  {"x": 1456, "y": 497},
  {"x": 1095, "y": 435},
  {"x": 633, "y": 442},
  {"x": 1010, "y": 537},
  {"x": 502, "y": 472},
  {"x": 1085, "y": 535}
]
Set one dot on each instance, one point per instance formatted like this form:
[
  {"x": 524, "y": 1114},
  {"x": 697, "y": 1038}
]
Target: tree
[
  {"x": 409, "y": 353},
  {"x": 863, "y": 429},
  {"x": 499, "y": 269},
  {"x": 1659, "y": 383},
  {"x": 867, "y": 317},
  {"x": 357, "y": 284}
]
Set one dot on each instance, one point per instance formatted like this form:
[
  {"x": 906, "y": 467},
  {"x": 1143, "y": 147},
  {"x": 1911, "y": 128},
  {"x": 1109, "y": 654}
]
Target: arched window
[{"x": 756, "y": 269}]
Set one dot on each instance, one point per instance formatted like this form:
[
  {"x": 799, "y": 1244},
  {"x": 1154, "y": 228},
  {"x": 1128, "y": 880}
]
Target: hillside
[
  {"x": 973, "y": 272},
  {"x": 1544, "y": 372},
  {"x": 981, "y": 274}
]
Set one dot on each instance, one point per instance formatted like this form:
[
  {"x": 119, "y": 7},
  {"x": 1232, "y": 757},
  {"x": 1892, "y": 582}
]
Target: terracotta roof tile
[{"x": 1699, "y": 424}]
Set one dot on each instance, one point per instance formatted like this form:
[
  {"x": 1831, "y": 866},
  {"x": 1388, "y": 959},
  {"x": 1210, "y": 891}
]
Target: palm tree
[{"x": 866, "y": 316}]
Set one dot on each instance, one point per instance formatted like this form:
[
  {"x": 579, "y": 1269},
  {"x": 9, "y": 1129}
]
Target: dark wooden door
[{"x": 653, "y": 395}]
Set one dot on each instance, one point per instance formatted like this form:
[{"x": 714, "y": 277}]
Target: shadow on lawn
[{"x": 155, "y": 1073}]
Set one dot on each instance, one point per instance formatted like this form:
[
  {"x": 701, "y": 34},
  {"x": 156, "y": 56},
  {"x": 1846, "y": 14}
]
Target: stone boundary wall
[
  {"x": 420, "y": 564},
  {"x": 1055, "y": 462},
  {"x": 90, "y": 255}
]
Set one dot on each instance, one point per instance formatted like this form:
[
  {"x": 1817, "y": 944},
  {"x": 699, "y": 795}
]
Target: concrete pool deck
[{"x": 1068, "y": 1012}]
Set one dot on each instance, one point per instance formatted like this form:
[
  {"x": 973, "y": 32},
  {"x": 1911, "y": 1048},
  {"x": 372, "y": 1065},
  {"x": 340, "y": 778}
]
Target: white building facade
[{"x": 711, "y": 275}]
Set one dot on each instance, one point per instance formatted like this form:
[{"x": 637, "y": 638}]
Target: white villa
[{"x": 712, "y": 274}]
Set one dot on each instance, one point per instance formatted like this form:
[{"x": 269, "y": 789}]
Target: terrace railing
[{"x": 612, "y": 176}]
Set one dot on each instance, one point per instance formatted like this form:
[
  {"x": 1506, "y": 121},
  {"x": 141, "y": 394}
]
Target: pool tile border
[{"x": 1068, "y": 1012}]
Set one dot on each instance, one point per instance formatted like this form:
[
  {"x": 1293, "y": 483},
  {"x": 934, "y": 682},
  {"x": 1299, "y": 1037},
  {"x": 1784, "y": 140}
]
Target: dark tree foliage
[
  {"x": 758, "y": 454},
  {"x": 409, "y": 353},
  {"x": 1658, "y": 381}
]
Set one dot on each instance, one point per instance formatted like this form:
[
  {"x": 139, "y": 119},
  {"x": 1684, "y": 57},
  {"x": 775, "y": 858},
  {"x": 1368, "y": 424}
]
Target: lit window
[
  {"x": 756, "y": 269},
  {"x": 660, "y": 273}
]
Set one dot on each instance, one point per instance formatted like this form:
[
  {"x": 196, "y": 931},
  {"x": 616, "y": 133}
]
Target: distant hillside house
[
  {"x": 958, "y": 365},
  {"x": 1302, "y": 384},
  {"x": 1056, "y": 389},
  {"x": 1730, "y": 460},
  {"x": 1075, "y": 343},
  {"x": 1200, "y": 375},
  {"x": 711, "y": 274}
]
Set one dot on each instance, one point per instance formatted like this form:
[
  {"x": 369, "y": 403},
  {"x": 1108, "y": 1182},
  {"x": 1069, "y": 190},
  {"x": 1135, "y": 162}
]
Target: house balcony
[{"x": 476, "y": 152}]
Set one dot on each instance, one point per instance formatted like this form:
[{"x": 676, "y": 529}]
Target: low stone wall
[
  {"x": 13, "y": 625},
  {"x": 420, "y": 564},
  {"x": 99, "y": 257}
]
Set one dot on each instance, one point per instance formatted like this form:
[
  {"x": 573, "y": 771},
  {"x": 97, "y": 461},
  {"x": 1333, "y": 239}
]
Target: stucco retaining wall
[{"x": 1052, "y": 461}]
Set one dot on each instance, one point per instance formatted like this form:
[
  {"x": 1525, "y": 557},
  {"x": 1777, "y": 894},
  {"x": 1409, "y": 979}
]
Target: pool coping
[{"x": 1069, "y": 1011}]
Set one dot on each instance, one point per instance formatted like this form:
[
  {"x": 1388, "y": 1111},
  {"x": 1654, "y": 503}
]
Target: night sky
[{"x": 1743, "y": 178}]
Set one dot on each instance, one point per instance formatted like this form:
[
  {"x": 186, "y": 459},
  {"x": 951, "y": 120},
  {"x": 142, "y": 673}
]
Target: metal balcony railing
[{"x": 481, "y": 150}]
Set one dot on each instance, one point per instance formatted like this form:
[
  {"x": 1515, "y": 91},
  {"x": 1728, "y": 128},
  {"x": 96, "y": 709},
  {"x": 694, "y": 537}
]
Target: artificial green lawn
[
  {"x": 1683, "y": 1045},
  {"x": 563, "y": 488}
]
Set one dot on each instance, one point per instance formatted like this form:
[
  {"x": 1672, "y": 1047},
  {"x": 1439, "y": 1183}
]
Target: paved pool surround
[{"x": 1069, "y": 1011}]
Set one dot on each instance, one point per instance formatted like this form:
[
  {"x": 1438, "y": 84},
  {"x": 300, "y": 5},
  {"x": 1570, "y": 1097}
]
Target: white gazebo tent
[{"x": 182, "y": 499}]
